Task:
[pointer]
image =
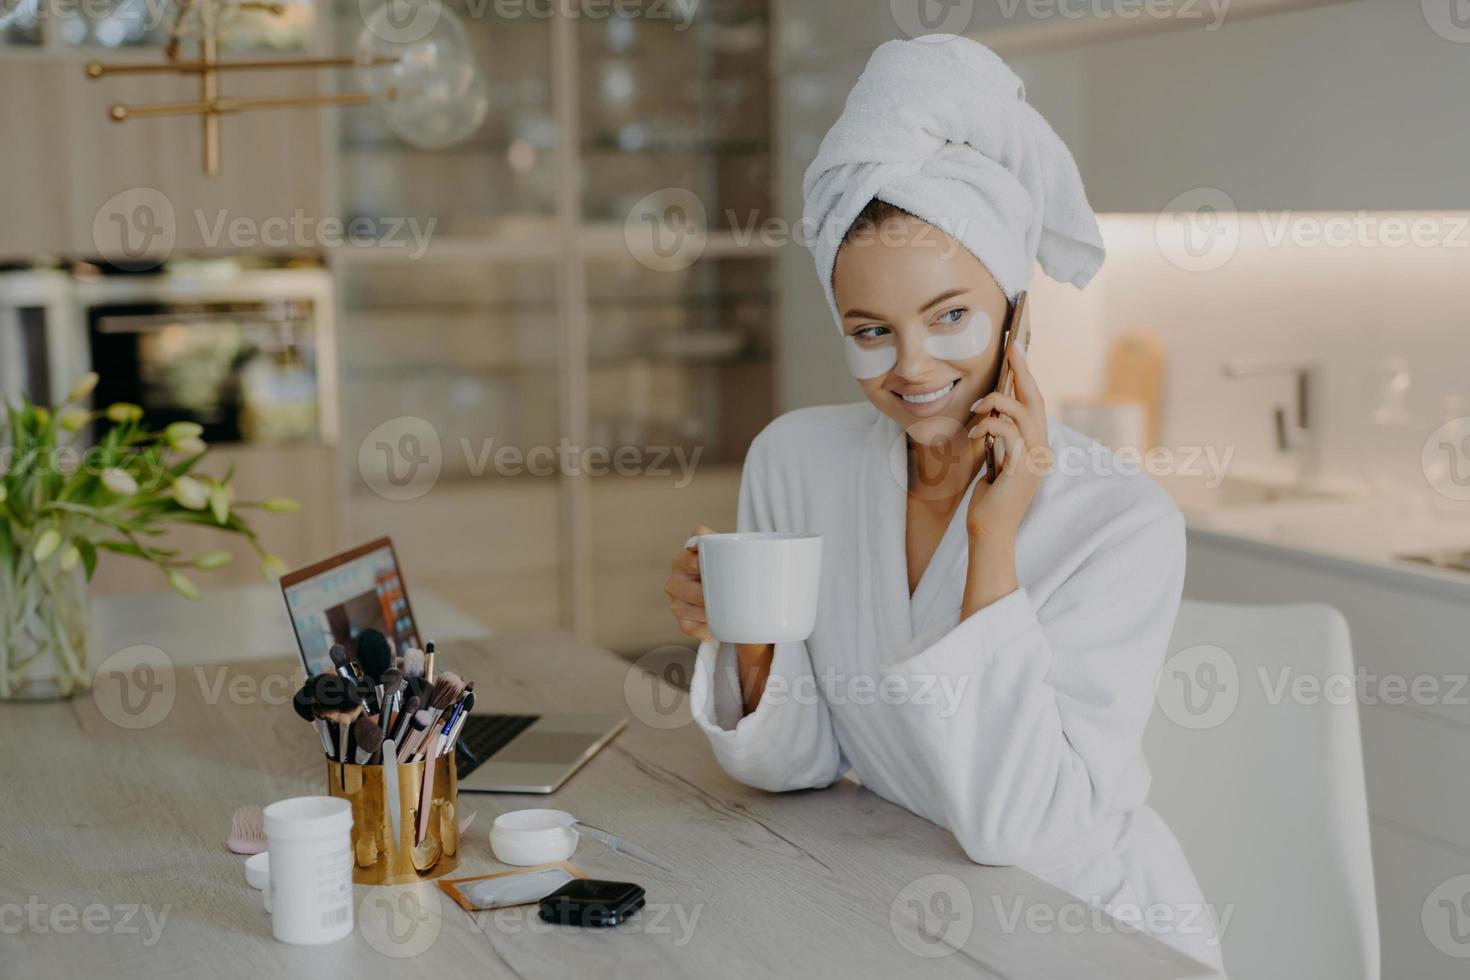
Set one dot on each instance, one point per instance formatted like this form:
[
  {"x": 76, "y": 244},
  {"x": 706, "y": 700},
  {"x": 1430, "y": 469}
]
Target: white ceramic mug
[{"x": 760, "y": 587}]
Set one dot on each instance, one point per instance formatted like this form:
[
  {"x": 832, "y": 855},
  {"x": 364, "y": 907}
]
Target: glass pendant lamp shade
[{"x": 415, "y": 57}]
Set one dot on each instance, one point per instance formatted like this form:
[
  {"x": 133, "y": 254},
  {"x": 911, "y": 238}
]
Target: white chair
[{"x": 1262, "y": 781}]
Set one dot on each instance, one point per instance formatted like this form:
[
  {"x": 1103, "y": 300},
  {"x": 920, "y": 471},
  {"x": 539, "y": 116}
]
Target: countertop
[
  {"x": 117, "y": 805},
  {"x": 244, "y": 623},
  {"x": 1361, "y": 533}
]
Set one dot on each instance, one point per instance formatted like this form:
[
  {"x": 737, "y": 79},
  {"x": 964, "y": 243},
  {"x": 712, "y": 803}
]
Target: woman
[{"x": 985, "y": 654}]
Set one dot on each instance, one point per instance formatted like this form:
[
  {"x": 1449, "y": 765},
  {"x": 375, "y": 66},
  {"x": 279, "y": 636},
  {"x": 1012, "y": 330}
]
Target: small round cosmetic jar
[
  {"x": 258, "y": 870},
  {"x": 527, "y": 837}
]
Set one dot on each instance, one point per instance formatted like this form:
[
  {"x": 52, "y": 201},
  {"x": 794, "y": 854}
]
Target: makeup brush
[
  {"x": 416, "y": 686},
  {"x": 429, "y": 661},
  {"x": 390, "y": 685},
  {"x": 301, "y": 703},
  {"x": 374, "y": 654},
  {"x": 413, "y": 662},
  {"x": 418, "y": 722},
  {"x": 404, "y": 717},
  {"x": 390, "y": 788},
  {"x": 463, "y": 709},
  {"x": 342, "y": 661},
  {"x": 451, "y": 738},
  {"x": 445, "y": 693},
  {"x": 337, "y": 700},
  {"x": 369, "y": 739}
]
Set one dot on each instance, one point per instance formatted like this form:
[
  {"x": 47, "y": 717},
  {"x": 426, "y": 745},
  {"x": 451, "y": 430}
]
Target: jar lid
[
  {"x": 534, "y": 825},
  {"x": 307, "y": 817}
]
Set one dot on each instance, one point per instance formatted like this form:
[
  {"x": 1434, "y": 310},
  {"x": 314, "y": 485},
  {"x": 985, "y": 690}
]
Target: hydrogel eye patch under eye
[
  {"x": 970, "y": 341},
  {"x": 869, "y": 362},
  {"x": 874, "y": 362}
]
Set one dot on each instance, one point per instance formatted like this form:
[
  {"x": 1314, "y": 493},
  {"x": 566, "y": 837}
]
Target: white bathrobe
[{"x": 1017, "y": 729}]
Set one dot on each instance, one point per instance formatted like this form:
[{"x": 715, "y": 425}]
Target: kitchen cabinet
[
  {"x": 65, "y": 162},
  {"x": 1406, "y": 631}
]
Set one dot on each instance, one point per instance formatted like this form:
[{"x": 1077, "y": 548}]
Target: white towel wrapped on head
[{"x": 940, "y": 127}]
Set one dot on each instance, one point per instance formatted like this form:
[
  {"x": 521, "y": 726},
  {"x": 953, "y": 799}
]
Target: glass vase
[{"x": 44, "y": 629}]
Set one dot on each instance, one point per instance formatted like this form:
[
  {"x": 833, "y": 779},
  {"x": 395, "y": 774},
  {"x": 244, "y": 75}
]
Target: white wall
[
  {"x": 1348, "y": 307},
  {"x": 1354, "y": 105}
]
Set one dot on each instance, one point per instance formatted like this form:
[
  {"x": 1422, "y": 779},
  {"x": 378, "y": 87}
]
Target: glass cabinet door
[
  {"x": 449, "y": 363},
  {"x": 501, "y": 182},
  {"x": 681, "y": 381},
  {"x": 677, "y": 95},
  {"x": 675, "y": 130},
  {"x": 20, "y": 24},
  {"x": 455, "y": 341}
]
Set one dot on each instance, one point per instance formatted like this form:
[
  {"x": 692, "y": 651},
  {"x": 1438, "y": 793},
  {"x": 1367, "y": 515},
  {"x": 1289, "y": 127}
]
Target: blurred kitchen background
[{"x": 1283, "y": 191}]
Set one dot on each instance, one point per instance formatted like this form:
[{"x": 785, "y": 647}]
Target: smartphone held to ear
[{"x": 1017, "y": 331}]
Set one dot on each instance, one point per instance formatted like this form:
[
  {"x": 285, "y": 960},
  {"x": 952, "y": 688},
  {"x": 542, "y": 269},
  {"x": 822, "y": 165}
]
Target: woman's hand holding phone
[
  {"x": 1020, "y": 427},
  {"x": 996, "y": 510}
]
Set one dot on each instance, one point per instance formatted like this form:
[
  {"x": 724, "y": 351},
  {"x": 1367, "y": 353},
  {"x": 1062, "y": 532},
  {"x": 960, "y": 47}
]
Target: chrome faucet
[{"x": 1294, "y": 436}]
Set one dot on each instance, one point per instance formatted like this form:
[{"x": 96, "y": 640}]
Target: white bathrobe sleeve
[
  {"x": 787, "y": 742},
  {"x": 1053, "y": 703}
]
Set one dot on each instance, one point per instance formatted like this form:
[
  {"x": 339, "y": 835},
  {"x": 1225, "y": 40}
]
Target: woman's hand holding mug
[
  {"x": 752, "y": 589},
  {"x": 685, "y": 589}
]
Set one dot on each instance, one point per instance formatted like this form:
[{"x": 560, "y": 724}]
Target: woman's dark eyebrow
[
  {"x": 951, "y": 294},
  {"x": 865, "y": 315}
]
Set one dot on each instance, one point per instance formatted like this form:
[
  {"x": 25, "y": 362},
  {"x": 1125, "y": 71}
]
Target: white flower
[
  {"x": 84, "y": 387},
  {"x": 191, "y": 493},
  {"x": 219, "y": 502},
  {"x": 180, "y": 433},
  {"x": 123, "y": 412},
  {"x": 46, "y": 544},
  {"x": 181, "y": 584},
  {"x": 119, "y": 482},
  {"x": 211, "y": 560}
]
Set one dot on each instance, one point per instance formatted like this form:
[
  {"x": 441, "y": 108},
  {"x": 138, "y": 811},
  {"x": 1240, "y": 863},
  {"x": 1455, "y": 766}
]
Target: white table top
[{"x": 117, "y": 806}]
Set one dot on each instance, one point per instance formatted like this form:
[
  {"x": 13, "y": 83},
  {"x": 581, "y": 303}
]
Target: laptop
[{"x": 335, "y": 600}]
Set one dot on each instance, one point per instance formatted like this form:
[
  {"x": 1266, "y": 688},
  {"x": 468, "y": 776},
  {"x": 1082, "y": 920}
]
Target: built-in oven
[
  {"x": 248, "y": 354},
  {"x": 245, "y": 370}
]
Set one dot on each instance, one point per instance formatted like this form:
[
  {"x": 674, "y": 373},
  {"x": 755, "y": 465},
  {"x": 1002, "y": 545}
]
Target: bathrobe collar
[{"x": 934, "y": 605}]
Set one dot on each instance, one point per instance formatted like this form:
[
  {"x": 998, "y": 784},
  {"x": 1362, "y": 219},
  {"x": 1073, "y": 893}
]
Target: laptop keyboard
[{"x": 485, "y": 735}]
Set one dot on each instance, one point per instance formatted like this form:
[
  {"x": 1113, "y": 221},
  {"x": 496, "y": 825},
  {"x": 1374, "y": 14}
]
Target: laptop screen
[{"x": 335, "y": 600}]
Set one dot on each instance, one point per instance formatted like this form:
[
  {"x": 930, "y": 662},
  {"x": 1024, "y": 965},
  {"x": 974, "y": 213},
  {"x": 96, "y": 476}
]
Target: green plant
[{"x": 62, "y": 501}]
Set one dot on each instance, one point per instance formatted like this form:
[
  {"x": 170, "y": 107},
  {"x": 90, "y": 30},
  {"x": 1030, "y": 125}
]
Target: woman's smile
[{"x": 927, "y": 400}]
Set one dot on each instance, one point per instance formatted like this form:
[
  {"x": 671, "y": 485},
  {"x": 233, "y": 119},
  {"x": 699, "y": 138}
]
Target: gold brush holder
[{"x": 377, "y": 858}]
